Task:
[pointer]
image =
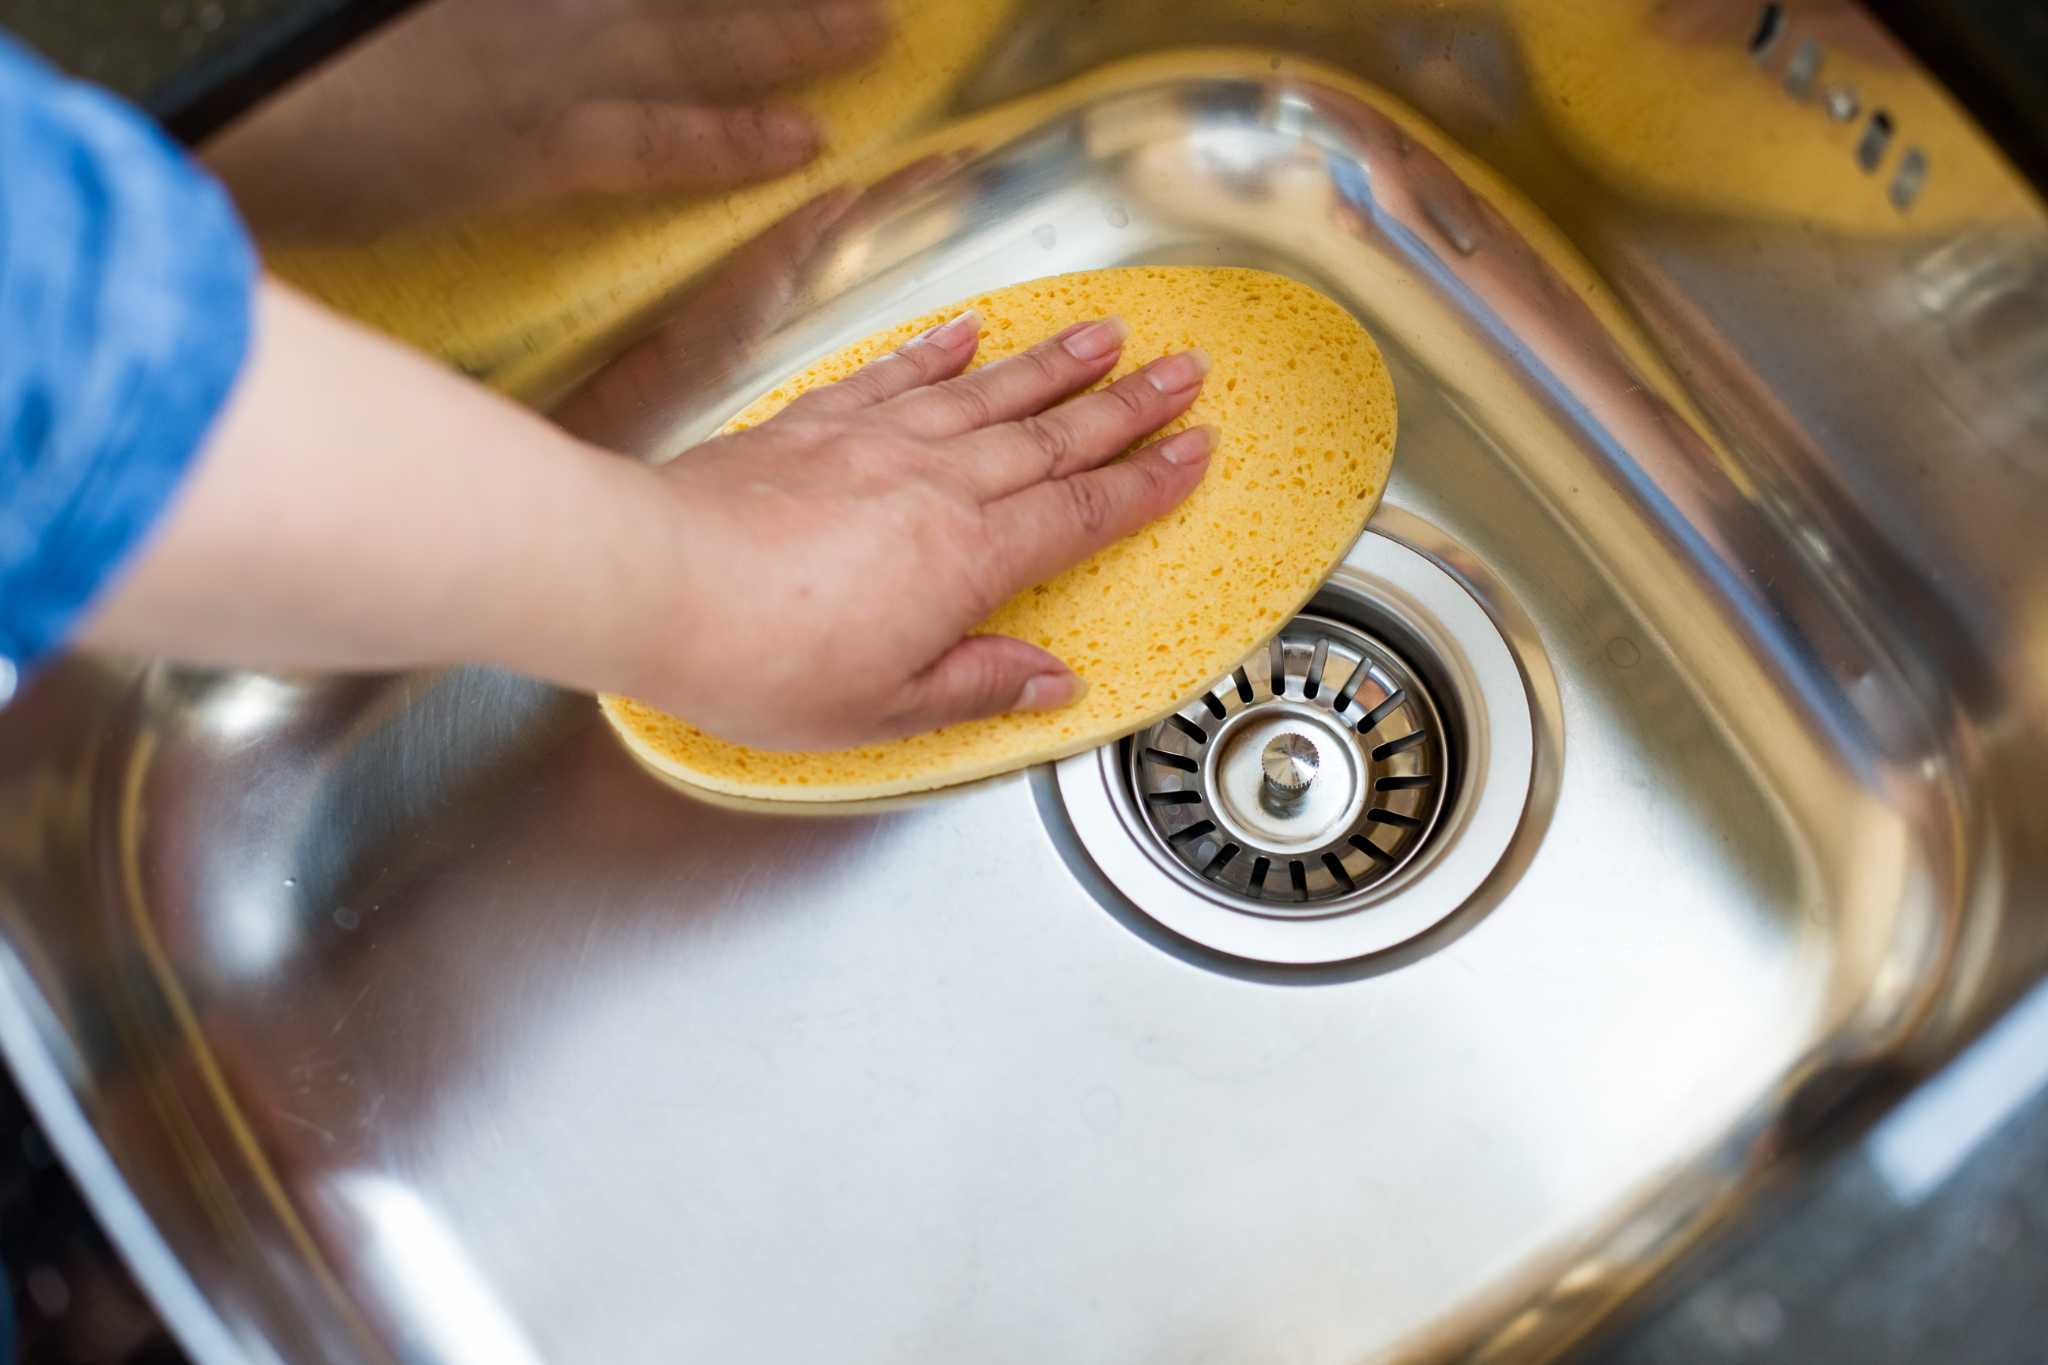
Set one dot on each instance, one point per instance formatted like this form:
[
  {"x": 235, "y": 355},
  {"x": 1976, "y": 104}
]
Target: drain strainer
[
  {"x": 1314, "y": 771},
  {"x": 1343, "y": 790}
]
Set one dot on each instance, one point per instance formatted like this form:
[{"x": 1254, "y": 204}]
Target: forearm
[{"x": 358, "y": 507}]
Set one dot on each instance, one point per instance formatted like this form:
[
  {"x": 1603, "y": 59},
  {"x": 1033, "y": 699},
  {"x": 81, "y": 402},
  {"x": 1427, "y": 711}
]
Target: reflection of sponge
[
  {"x": 1305, "y": 409},
  {"x": 1665, "y": 102},
  {"x": 524, "y": 300}
]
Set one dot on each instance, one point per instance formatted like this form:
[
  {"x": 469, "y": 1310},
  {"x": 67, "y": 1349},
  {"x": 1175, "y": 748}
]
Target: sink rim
[{"x": 1472, "y": 625}]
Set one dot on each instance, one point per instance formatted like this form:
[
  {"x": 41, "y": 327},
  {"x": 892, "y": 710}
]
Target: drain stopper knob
[{"x": 1290, "y": 762}]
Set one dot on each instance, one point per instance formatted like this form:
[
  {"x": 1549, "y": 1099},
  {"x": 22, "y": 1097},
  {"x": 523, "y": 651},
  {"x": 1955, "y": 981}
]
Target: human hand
[
  {"x": 828, "y": 564},
  {"x": 470, "y": 105},
  {"x": 805, "y": 583}
]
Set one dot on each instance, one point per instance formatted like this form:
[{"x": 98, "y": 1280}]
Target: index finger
[{"x": 924, "y": 359}]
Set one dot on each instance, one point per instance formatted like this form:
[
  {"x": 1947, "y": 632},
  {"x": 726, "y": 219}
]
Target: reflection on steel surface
[{"x": 1756, "y": 448}]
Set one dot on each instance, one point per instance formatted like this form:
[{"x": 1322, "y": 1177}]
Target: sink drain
[
  {"x": 1313, "y": 772},
  {"x": 1343, "y": 790}
]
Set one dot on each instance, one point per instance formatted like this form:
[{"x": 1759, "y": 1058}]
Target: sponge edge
[{"x": 1304, "y": 408}]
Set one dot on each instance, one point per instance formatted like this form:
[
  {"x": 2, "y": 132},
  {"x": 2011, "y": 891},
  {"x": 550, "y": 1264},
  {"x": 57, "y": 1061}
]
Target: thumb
[{"x": 986, "y": 675}]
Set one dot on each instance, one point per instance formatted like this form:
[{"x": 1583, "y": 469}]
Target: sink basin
[{"x": 408, "y": 1018}]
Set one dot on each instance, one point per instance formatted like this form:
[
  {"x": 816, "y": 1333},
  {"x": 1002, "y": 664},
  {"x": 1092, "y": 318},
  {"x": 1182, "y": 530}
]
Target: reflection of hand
[
  {"x": 706, "y": 334},
  {"x": 473, "y": 104},
  {"x": 828, "y": 562}
]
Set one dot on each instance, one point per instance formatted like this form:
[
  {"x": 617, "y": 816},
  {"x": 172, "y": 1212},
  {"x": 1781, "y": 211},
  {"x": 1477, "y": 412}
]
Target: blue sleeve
[{"x": 126, "y": 284}]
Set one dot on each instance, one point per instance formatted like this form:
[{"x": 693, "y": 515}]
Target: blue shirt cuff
[{"x": 126, "y": 288}]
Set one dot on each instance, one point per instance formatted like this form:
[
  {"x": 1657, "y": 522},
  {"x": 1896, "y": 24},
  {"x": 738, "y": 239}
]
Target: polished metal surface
[
  {"x": 1303, "y": 778},
  {"x": 408, "y": 1019},
  {"x": 1289, "y": 765},
  {"x": 1487, "y": 762}
]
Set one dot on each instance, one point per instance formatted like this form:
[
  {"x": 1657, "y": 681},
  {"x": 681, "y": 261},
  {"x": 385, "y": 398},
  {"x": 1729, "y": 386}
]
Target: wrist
[{"x": 606, "y": 613}]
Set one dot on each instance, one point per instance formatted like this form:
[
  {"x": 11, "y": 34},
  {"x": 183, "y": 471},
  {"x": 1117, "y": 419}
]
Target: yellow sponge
[{"x": 1305, "y": 412}]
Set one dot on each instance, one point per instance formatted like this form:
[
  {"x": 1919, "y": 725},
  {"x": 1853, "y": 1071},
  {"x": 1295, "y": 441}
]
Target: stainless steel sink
[{"x": 407, "y": 1018}]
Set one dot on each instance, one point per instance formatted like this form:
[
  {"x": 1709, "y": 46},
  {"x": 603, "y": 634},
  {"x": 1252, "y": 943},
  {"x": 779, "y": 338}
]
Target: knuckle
[
  {"x": 1090, "y": 506},
  {"x": 1157, "y": 487},
  {"x": 859, "y": 389},
  {"x": 1133, "y": 396},
  {"x": 890, "y": 373},
  {"x": 915, "y": 353},
  {"x": 653, "y": 141},
  {"x": 1052, "y": 439},
  {"x": 970, "y": 403},
  {"x": 1044, "y": 363},
  {"x": 980, "y": 684},
  {"x": 741, "y": 127}
]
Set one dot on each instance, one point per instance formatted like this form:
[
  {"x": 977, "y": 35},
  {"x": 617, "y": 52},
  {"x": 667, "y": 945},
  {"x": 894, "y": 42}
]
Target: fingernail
[
  {"x": 1187, "y": 447},
  {"x": 1096, "y": 340},
  {"x": 1050, "y": 691},
  {"x": 951, "y": 334},
  {"x": 1173, "y": 373}
]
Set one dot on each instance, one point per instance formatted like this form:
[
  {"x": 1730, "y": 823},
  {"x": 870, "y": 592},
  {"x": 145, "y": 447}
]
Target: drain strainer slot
[
  {"x": 1334, "y": 770},
  {"x": 1346, "y": 788}
]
